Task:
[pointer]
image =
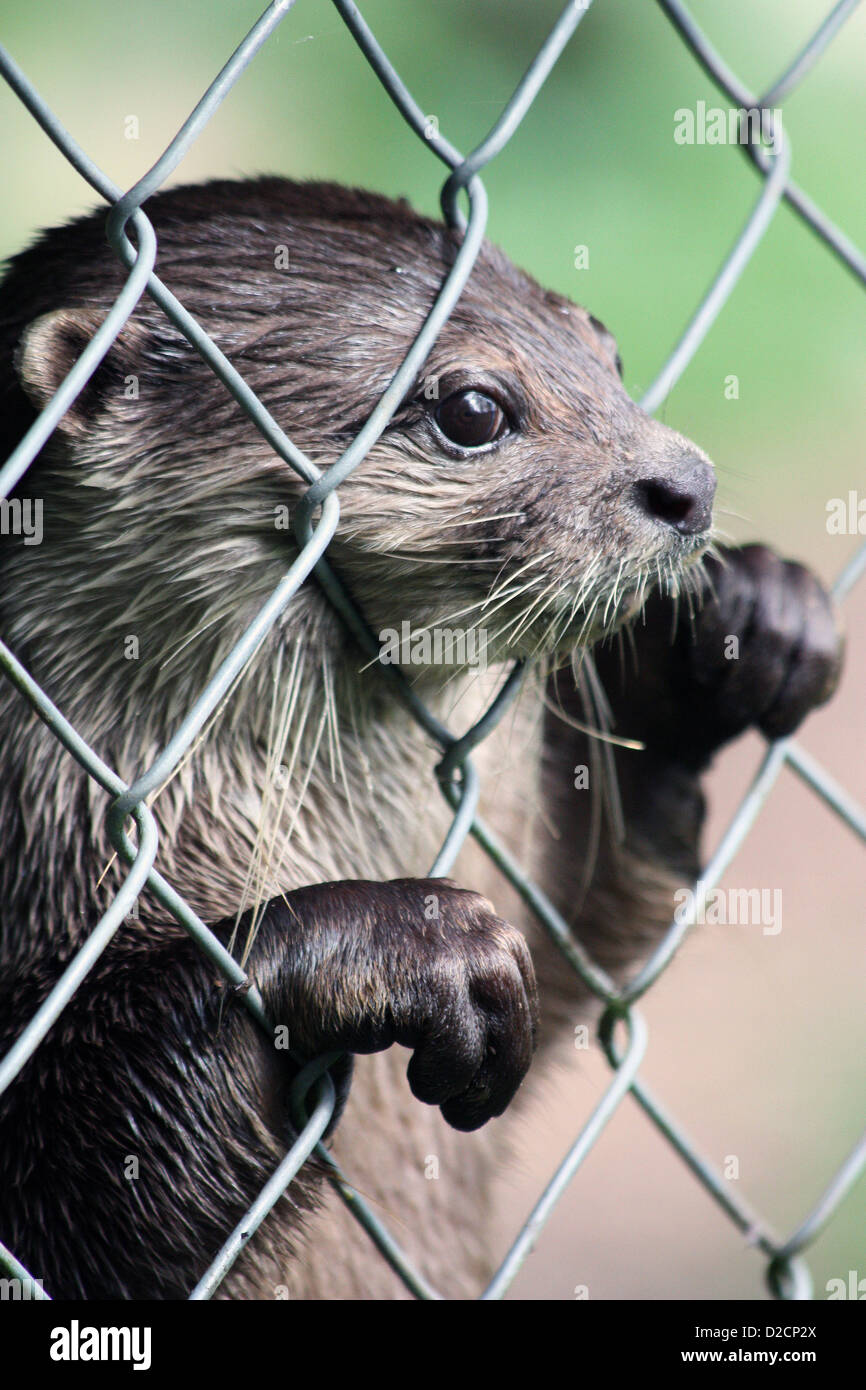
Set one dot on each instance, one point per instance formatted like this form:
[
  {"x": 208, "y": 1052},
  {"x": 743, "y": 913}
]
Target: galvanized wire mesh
[{"x": 313, "y": 1093}]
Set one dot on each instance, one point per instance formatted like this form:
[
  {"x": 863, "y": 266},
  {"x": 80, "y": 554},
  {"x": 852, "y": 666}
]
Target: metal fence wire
[{"x": 313, "y": 1093}]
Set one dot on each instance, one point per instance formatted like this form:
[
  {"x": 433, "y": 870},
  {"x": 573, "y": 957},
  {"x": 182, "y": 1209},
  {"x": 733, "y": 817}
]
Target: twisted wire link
[{"x": 312, "y": 1095}]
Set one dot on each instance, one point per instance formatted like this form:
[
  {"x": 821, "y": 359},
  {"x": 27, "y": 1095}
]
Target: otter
[{"x": 526, "y": 496}]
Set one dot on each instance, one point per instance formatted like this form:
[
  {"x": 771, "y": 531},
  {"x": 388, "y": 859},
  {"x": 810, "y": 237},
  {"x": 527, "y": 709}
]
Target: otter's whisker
[
  {"x": 477, "y": 520},
  {"x": 287, "y": 837}
]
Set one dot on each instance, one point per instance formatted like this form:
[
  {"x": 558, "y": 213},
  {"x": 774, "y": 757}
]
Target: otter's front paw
[
  {"x": 762, "y": 649},
  {"x": 358, "y": 966},
  {"x": 766, "y": 646}
]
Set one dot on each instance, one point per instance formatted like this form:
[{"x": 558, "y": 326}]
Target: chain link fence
[{"x": 313, "y": 1096}]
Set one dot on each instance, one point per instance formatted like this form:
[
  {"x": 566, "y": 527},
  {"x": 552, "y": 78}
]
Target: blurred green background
[{"x": 594, "y": 163}]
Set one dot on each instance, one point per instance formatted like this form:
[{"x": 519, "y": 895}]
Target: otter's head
[{"x": 518, "y": 489}]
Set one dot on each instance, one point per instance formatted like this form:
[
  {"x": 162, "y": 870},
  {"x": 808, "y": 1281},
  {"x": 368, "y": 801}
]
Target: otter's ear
[
  {"x": 50, "y": 346},
  {"x": 606, "y": 337}
]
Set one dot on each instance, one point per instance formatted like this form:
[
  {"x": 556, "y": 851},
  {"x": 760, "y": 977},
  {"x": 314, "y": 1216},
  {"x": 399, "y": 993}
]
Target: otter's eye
[{"x": 470, "y": 419}]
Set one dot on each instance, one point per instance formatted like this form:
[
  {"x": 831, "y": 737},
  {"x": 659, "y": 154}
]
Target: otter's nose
[{"x": 683, "y": 500}]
